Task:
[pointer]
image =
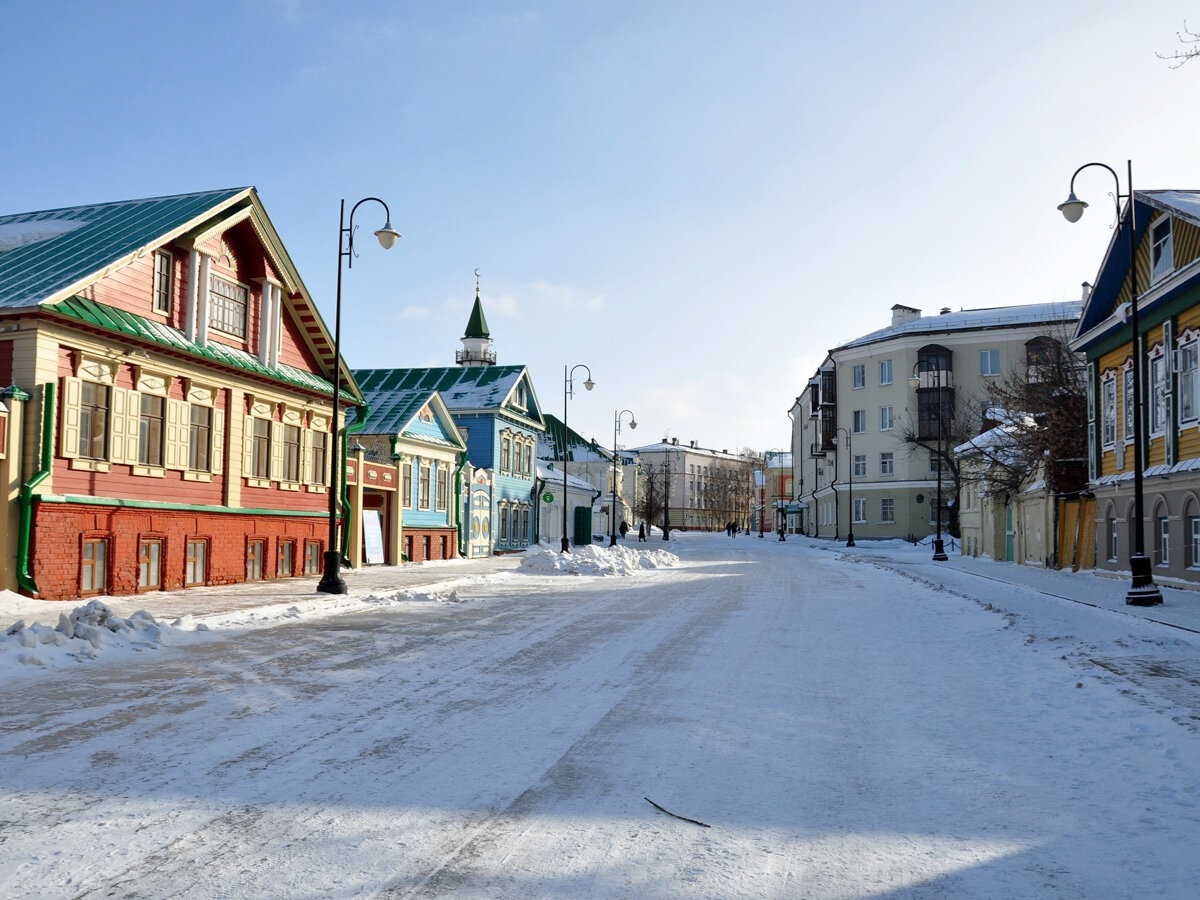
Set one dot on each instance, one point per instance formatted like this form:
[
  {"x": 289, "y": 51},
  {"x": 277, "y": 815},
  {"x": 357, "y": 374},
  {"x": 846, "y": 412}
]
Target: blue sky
[{"x": 696, "y": 200}]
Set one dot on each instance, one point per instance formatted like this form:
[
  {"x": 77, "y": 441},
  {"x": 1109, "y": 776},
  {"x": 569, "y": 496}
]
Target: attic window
[
  {"x": 227, "y": 303},
  {"x": 14, "y": 235},
  {"x": 519, "y": 397},
  {"x": 1162, "y": 259}
]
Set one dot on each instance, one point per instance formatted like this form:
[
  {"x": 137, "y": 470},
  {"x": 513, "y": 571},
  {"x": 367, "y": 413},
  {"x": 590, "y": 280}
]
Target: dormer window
[
  {"x": 227, "y": 303},
  {"x": 1162, "y": 257}
]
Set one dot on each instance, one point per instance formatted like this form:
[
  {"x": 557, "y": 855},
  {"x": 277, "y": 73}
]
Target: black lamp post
[
  {"x": 568, "y": 392},
  {"x": 781, "y": 519},
  {"x": 666, "y": 467},
  {"x": 612, "y": 534},
  {"x": 1142, "y": 591},
  {"x": 331, "y": 579},
  {"x": 850, "y": 454},
  {"x": 935, "y": 366}
]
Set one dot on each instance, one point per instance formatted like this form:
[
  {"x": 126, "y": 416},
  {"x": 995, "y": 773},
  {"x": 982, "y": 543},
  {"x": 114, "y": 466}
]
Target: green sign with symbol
[{"x": 547, "y": 497}]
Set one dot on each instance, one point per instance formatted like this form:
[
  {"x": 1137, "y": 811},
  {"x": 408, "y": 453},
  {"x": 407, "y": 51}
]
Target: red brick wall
[
  {"x": 59, "y": 530},
  {"x": 415, "y": 540}
]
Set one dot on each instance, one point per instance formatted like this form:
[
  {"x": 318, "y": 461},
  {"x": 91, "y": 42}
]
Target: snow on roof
[
  {"x": 1185, "y": 202},
  {"x": 975, "y": 319},
  {"x": 549, "y": 472},
  {"x": 462, "y": 388},
  {"x": 665, "y": 446}
]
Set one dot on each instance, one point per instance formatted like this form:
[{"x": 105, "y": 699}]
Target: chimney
[
  {"x": 692, "y": 444},
  {"x": 1086, "y": 292},
  {"x": 904, "y": 314},
  {"x": 675, "y": 441},
  {"x": 945, "y": 310}
]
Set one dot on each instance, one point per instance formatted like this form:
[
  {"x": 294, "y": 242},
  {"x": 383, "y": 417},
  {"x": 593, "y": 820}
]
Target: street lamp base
[
  {"x": 850, "y": 539},
  {"x": 1143, "y": 591},
  {"x": 781, "y": 537},
  {"x": 939, "y": 550},
  {"x": 566, "y": 546},
  {"x": 612, "y": 540},
  {"x": 331, "y": 582}
]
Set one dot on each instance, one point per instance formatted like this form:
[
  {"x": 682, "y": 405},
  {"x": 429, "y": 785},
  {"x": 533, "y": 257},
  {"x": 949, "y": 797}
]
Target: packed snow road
[{"x": 831, "y": 726}]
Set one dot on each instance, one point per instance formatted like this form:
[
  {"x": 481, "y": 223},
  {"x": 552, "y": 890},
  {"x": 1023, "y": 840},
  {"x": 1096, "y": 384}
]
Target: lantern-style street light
[
  {"x": 331, "y": 579},
  {"x": 612, "y": 533},
  {"x": 569, "y": 392},
  {"x": 1142, "y": 590}
]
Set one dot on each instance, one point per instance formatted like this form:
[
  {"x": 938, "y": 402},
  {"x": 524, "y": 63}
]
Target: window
[
  {"x": 312, "y": 558},
  {"x": 285, "y": 559},
  {"x": 260, "y": 460},
  {"x": 199, "y": 437},
  {"x": 1112, "y": 539},
  {"x": 162, "y": 281},
  {"x": 195, "y": 564},
  {"x": 935, "y": 463},
  {"x": 887, "y": 510},
  {"x": 860, "y": 466},
  {"x": 1164, "y": 544},
  {"x": 227, "y": 303},
  {"x": 255, "y": 551},
  {"x": 506, "y": 454},
  {"x": 93, "y": 576},
  {"x": 408, "y": 484},
  {"x": 502, "y": 537},
  {"x": 860, "y": 511},
  {"x": 443, "y": 486},
  {"x": 860, "y": 421},
  {"x": 1108, "y": 411},
  {"x": 291, "y": 453},
  {"x": 859, "y": 374},
  {"x": 93, "y": 420},
  {"x": 318, "y": 459},
  {"x": 149, "y": 564},
  {"x": 1162, "y": 259},
  {"x": 423, "y": 487},
  {"x": 1187, "y": 382},
  {"x": 989, "y": 362},
  {"x": 885, "y": 371},
  {"x": 150, "y": 430},
  {"x": 887, "y": 463},
  {"x": 1128, "y": 402},
  {"x": 885, "y": 418},
  {"x": 525, "y": 524},
  {"x": 1194, "y": 541},
  {"x": 1158, "y": 394}
]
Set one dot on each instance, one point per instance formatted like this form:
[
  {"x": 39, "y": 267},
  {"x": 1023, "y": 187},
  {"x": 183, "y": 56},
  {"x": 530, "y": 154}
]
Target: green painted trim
[
  {"x": 178, "y": 507},
  {"x": 25, "y": 497}
]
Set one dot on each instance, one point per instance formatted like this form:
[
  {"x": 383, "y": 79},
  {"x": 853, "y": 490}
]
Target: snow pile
[
  {"x": 594, "y": 560},
  {"x": 80, "y": 635}
]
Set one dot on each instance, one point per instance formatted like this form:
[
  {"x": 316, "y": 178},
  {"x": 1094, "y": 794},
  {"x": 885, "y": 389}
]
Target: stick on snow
[{"x": 675, "y": 816}]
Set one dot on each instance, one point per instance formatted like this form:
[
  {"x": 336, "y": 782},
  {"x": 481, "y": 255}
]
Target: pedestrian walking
[
  {"x": 624, "y": 529},
  {"x": 641, "y": 532}
]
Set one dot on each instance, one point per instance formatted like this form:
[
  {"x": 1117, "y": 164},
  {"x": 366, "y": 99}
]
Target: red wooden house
[{"x": 169, "y": 409}]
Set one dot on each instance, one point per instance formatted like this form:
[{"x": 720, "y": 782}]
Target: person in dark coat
[
  {"x": 624, "y": 529},
  {"x": 641, "y": 531}
]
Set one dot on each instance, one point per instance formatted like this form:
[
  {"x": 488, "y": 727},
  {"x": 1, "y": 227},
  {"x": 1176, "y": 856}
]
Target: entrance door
[{"x": 1010, "y": 536}]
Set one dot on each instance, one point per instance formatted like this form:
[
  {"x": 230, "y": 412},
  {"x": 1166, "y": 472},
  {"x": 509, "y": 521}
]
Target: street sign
[{"x": 547, "y": 497}]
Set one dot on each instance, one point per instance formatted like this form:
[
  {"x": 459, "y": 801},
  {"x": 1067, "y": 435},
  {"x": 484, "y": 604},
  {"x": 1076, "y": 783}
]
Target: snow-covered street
[{"x": 833, "y": 723}]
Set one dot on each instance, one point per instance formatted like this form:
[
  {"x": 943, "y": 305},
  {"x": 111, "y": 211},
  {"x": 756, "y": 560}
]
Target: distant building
[
  {"x": 922, "y": 376},
  {"x": 703, "y": 489}
]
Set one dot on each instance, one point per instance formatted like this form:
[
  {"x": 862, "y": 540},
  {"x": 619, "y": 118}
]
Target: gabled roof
[
  {"x": 48, "y": 258},
  {"x": 463, "y": 388},
  {"x": 548, "y": 472},
  {"x": 974, "y": 320},
  {"x": 46, "y": 253},
  {"x": 1114, "y": 267},
  {"x": 579, "y": 448},
  {"x": 397, "y": 413}
]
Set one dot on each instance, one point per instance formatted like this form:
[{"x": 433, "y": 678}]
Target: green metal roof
[
  {"x": 477, "y": 326},
  {"x": 483, "y": 388},
  {"x": 131, "y": 325},
  {"x": 556, "y": 434},
  {"x": 46, "y": 252}
]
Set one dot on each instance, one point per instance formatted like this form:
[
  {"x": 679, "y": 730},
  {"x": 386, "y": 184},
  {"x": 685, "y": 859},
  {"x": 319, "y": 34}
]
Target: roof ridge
[{"x": 130, "y": 200}]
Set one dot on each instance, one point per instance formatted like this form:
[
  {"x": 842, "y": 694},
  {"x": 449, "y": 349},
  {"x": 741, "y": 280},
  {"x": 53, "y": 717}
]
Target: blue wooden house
[{"x": 498, "y": 414}]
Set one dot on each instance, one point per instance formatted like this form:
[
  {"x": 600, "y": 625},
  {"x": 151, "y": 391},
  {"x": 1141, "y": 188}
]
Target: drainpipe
[
  {"x": 462, "y": 520},
  {"x": 24, "y": 577},
  {"x": 538, "y": 484},
  {"x": 360, "y": 422}
]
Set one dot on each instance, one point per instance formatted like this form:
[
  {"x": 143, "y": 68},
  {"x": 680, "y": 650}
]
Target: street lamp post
[
  {"x": 935, "y": 366},
  {"x": 331, "y": 579},
  {"x": 850, "y": 455},
  {"x": 781, "y": 519},
  {"x": 1142, "y": 590},
  {"x": 568, "y": 392},
  {"x": 612, "y": 534}
]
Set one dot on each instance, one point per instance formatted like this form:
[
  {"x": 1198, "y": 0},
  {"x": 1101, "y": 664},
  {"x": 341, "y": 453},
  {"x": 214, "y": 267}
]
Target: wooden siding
[{"x": 293, "y": 351}]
